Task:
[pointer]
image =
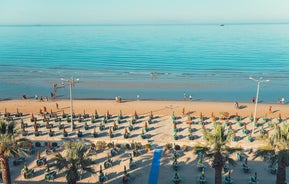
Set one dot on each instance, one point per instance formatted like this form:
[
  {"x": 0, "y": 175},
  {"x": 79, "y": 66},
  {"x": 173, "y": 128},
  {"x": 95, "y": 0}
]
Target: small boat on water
[{"x": 222, "y": 24}]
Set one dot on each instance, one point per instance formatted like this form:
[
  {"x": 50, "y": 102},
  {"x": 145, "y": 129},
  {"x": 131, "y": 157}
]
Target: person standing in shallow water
[
  {"x": 253, "y": 99},
  {"x": 185, "y": 97}
]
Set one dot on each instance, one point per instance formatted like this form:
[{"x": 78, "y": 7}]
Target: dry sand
[{"x": 161, "y": 133}]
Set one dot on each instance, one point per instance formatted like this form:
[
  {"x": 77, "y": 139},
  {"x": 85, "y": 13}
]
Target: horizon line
[{"x": 144, "y": 24}]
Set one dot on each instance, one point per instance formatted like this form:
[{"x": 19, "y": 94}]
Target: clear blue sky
[{"x": 142, "y": 11}]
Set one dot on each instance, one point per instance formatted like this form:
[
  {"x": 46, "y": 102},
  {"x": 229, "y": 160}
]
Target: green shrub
[
  {"x": 148, "y": 146},
  {"x": 110, "y": 145},
  {"x": 168, "y": 146},
  {"x": 92, "y": 145},
  {"x": 100, "y": 145}
]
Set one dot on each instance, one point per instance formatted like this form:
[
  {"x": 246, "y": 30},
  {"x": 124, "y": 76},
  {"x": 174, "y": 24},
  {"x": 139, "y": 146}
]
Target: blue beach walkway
[{"x": 155, "y": 167}]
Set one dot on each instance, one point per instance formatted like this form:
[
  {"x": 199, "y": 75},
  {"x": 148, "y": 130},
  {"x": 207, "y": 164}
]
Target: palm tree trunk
[
  {"x": 218, "y": 175},
  {"x": 6, "y": 178},
  {"x": 72, "y": 176},
  {"x": 218, "y": 165},
  {"x": 281, "y": 172}
]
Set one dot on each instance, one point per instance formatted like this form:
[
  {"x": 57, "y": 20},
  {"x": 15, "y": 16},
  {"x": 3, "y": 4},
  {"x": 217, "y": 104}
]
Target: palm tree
[
  {"x": 10, "y": 146},
  {"x": 75, "y": 161},
  {"x": 217, "y": 148},
  {"x": 276, "y": 151}
]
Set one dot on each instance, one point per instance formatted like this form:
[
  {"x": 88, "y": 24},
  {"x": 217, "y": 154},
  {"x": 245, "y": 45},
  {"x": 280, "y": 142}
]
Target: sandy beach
[{"x": 160, "y": 133}]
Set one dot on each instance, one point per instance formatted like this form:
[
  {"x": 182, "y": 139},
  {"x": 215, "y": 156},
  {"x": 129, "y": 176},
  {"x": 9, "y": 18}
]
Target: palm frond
[{"x": 231, "y": 161}]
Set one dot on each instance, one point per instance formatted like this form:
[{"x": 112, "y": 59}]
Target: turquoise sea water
[{"x": 209, "y": 62}]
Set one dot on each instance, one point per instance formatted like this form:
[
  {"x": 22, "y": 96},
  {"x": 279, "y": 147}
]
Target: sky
[{"x": 19, "y": 12}]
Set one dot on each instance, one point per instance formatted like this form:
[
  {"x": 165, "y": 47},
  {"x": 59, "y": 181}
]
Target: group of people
[
  {"x": 281, "y": 101},
  {"x": 185, "y": 97}
]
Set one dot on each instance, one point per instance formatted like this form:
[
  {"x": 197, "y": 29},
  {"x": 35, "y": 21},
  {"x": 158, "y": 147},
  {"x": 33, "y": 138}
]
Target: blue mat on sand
[{"x": 155, "y": 167}]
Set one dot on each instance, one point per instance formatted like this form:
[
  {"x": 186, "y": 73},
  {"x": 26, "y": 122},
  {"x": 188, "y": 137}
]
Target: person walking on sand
[
  {"x": 185, "y": 97},
  {"x": 236, "y": 104},
  {"x": 253, "y": 99},
  {"x": 190, "y": 97},
  {"x": 56, "y": 105},
  {"x": 270, "y": 109},
  {"x": 283, "y": 100}
]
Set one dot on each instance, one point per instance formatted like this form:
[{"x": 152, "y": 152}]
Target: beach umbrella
[
  {"x": 38, "y": 155},
  {"x": 48, "y": 143}
]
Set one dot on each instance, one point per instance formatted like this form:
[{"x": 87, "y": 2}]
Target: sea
[{"x": 208, "y": 62}]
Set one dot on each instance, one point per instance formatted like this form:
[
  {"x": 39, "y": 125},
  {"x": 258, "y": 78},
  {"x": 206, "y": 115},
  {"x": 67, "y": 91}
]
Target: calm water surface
[{"x": 210, "y": 62}]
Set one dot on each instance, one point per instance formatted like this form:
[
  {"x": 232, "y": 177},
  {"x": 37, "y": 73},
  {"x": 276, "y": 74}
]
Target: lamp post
[
  {"x": 257, "y": 96},
  {"x": 71, "y": 82}
]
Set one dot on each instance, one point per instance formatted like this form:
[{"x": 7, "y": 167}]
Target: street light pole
[
  {"x": 71, "y": 84},
  {"x": 257, "y": 97}
]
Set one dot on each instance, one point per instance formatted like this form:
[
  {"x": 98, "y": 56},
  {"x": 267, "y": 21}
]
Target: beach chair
[
  {"x": 107, "y": 163},
  {"x": 24, "y": 133},
  {"x": 126, "y": 176},
  {"x": 245, "y": 168},
  {"x": 135, "y": 153},
  {"x": 28, "y": 174},
  {"x": 132, "y": 164},
  {"x": 201, "y": 166},
  {"x": 102, "y": 178},
  {"x": 126, "y": 136},
  {"x": 41, "y": 161},
  {"x": 175, "y": 137},
  {"x": 50, "y": 176},
  {"x": 57, "y": 120},
  {"x": 150, "y": 121},
  {"x": 241, "y": 156},
  {"x": 175, "y": 165},
  {"x": 51, "y": 133},
  {"x": 114, "y": 152},
  {"x": 131, "y": 159},
  {"x": 50, "y": 151},
  {"x": 250, "y": 139},
  {"x": 228, "y": 180},
  {"x": 125, "y": 179},
  {"x": 101, "y": 126},
  {"x": 202, "y": 179},
  {"x": 175, "y": 154},
  {"x": 65, "y": 134},
  {"x": 173, "y": 117},
  {"x": 253, "y": 179},
  {"x": 176, "y": 178},
  {"x": 49, "y": 126}
]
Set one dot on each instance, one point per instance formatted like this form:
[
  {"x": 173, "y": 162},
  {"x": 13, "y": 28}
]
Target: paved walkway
[{"x": 155, "y": 166}]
